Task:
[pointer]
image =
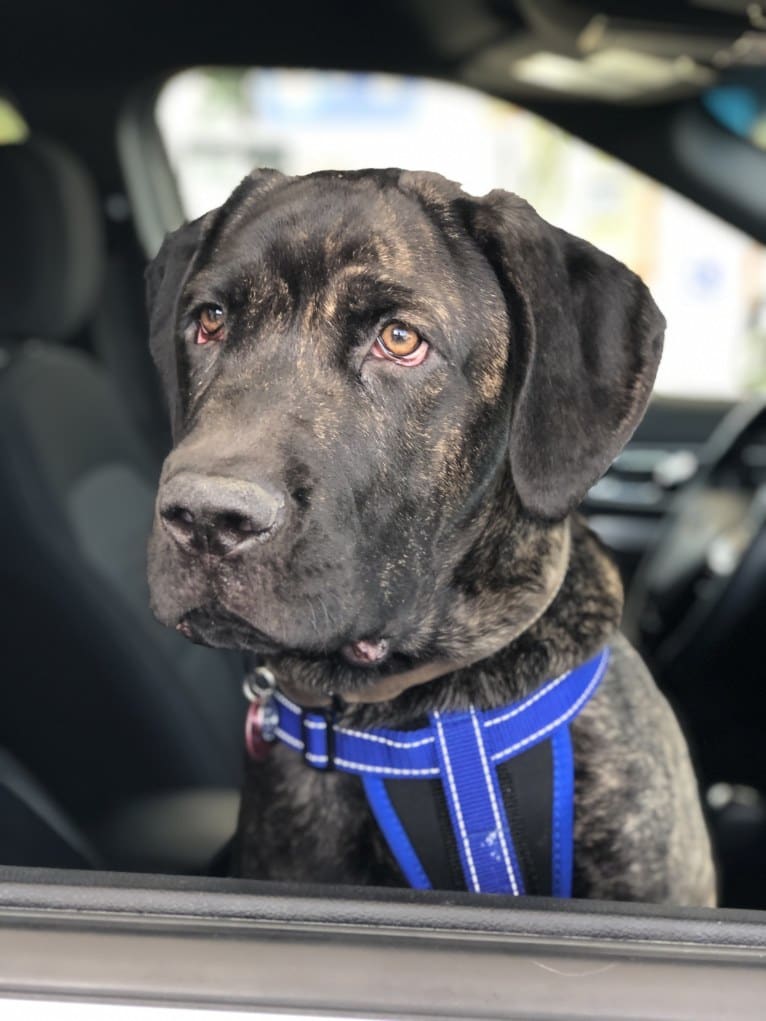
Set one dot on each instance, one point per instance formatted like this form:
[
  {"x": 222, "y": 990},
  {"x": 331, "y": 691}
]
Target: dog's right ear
[{"x": 165, "y": 277}]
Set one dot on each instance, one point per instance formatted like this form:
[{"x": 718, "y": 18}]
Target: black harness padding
[
  {"x": 423, "y": 812},
  {"x": 526, "y": 784}
]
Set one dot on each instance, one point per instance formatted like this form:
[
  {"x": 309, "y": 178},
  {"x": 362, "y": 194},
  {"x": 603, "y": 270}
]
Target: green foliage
[
  {"x": 224, "y": 91},
  {"x": 13, "y": 128}
]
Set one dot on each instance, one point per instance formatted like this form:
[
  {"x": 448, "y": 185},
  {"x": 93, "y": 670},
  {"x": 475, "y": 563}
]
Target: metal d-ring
[{"x": 259, "y": 685}]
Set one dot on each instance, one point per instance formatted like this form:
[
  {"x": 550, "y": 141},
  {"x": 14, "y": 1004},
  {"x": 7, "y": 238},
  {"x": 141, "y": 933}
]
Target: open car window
[{"x": 708, "y": 278}]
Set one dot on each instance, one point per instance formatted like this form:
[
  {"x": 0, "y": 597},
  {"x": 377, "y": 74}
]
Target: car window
[{"x": 708, "y": 278}]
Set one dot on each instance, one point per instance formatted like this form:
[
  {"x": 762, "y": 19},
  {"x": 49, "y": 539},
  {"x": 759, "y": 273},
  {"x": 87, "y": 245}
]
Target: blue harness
[{"x": 497, "y": 786}]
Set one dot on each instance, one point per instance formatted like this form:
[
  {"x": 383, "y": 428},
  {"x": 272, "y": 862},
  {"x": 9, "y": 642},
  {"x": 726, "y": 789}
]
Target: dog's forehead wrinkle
[{"x": 340, "y": 226}]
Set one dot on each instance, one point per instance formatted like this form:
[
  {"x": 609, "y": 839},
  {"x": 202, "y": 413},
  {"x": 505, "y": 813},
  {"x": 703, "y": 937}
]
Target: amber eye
[
  {"x": 211, "y": 319},
  {"x": 399, "y": 340},
  {"x": 399, "y": 343}
]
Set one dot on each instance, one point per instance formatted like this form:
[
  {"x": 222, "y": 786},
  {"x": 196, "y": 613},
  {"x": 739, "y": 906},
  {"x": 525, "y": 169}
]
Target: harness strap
[
  {"x": 393, "y": 829},
  {"x": 476, "y": 807},
  {"x": 497, "y": 785},
  {"x": 413, "y": 753}
]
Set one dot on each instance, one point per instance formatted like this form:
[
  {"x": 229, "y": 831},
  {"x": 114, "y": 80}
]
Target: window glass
[{"x": 707, "y": 277}]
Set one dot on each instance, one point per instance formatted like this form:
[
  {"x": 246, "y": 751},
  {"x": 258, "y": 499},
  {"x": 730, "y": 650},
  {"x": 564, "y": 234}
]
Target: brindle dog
[{"x": 387, "y": 398}]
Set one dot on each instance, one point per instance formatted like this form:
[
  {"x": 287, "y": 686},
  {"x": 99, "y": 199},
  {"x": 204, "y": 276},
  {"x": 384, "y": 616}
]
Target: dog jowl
[{"x": 387, "y": 399}]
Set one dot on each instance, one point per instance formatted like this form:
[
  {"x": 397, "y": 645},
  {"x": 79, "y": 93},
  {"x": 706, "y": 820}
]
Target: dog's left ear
[{"x": 586, "y": 339}]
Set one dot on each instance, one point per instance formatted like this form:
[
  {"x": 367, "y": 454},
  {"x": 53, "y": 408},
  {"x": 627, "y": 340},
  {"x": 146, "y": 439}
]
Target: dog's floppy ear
[
  {"x": 586, "y": 340},
  {"x": 165, "y": 277},
  {"x": 168, "y": 271}
]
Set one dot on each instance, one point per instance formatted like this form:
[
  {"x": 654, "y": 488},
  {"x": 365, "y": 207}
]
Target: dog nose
[{"x": 214, "y": 514}]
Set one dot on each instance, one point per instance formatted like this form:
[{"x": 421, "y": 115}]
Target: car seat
[{"x": 102, "y": 703}]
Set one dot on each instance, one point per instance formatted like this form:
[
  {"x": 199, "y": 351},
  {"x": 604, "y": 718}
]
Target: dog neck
[
  {"x": 577, "y": 609},
  {"x": 386, "y": 688},
  {"x": 518, "y": 616}
]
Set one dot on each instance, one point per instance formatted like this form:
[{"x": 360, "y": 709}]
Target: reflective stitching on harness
[
  {"x": 387, "y": 770},
  {"x": 287, "y": 702},
  {"x": 288, "y": 739},
  {"x": 495, "y": 809},
  {"x": 528, "y": 703},
  {"x": 388, "y": 741},
  {"x": 299, "y": 746},
  {"x": 456, "y": 803},
  {"x": 506, "y": 752},
  {"x": 363, "y": 767}
]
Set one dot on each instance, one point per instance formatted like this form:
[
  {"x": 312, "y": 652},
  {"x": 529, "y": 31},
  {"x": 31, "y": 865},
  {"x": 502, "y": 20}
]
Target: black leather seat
[
  {"x": 101, "y": 702},
  {"x": 34, "y": 830}
]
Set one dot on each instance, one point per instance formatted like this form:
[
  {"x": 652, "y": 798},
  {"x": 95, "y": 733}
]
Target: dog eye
[
  {"x": 398, "y": 343},
  {"x": 210, "y": 323}
]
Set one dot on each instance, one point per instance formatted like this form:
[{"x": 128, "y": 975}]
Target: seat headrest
[{"x": 52, "y": 248}]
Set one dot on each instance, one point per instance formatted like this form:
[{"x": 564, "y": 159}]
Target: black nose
[{"x": 215, "y": 515}]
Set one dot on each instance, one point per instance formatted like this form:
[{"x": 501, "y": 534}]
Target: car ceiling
[
  {"x": 71, "y": 66},
  {"x": 105, "y": 42}
]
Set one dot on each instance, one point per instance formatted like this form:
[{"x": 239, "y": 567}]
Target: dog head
[{"x": 373, "y": 377}]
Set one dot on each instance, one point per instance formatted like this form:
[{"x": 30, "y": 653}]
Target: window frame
[{"x": 100, "y": 937}]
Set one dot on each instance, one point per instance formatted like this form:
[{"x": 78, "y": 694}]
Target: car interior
[{"x": 120, "y": 742}]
